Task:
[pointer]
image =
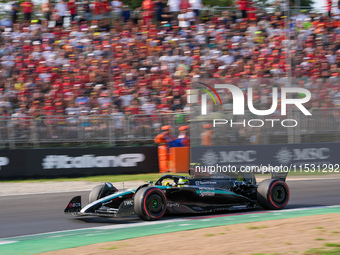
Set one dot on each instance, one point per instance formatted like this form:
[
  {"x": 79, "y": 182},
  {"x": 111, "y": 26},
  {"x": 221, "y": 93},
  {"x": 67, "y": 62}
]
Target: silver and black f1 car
[{"x": 173, "y": 194}]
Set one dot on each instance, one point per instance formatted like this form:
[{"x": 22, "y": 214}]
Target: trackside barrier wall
[
  {"x": 48, "y": 163},
  {"x": 314, "y": 157}
]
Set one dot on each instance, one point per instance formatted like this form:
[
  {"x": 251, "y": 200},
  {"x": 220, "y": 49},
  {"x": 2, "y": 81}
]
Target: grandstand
[{"x": 114, "y": 76}]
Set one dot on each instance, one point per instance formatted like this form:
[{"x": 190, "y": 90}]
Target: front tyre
[
  {"x": 273, "y": 194},
  {"x": 150, "y": 203},
  {"x": 101, "y": 191}
]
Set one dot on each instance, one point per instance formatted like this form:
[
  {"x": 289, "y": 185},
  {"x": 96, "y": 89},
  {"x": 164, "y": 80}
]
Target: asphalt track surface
[{"x": 41, "y": 213}]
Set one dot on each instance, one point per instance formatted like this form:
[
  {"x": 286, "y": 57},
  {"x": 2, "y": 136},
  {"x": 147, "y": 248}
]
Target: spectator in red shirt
[
  {"x": 251, "y": 11},
  {"x": 27, "y": 9},
  {"x": 106, "y": 6},
  {"x": 72, "y": 7},
  {"x": 329, "y": 7},
  {"x": 98, "y": 10},
  {"x": 242, "y": 6},
  {"x": 184, "y": 4},
  {"x": 134, "y": 107},
  {"x": 148, "y": 9}
]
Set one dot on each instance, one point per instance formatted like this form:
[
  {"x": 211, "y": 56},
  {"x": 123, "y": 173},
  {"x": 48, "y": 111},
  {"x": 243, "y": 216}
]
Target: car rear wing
[{"x": 279, "y": 175}]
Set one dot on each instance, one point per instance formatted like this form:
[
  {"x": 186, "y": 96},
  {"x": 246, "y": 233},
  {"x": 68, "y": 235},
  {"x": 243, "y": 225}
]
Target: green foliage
[
  {"x": 115, "y": 247},
  {"x": 324, "y": 251},
  {"x": 133, "y": 3},
  {"x": 264, "y": 254},
  {"x": 256, "y": 227},
  {"x": 321, "y": 251},
  {"x": 304, "y": 3},
  {"x": 221, "y": 3},
  {"x": 332, "y": 244}
]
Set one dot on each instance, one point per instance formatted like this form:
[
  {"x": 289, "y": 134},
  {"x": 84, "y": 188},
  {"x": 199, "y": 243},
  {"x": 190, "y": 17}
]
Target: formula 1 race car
[{"x": 173, "y": 194}]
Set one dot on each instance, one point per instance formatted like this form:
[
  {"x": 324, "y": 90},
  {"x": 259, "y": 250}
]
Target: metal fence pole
[
  {"x": 129, "y": 133},
  {"x": 11, "y": 134},
  {"x": 297, "y": 129},
  {"x": 34, "y": 134},
  {"x": 111, "y": 129}
]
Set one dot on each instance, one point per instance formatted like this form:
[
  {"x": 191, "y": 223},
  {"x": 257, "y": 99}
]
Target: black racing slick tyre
[
  {"x": 101, "y": 191},
  {"x": 273, "y": 194},
  {"x": 150, "y": 203}
]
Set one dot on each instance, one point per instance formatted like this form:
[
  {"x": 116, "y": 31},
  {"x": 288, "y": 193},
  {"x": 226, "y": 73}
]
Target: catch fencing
[
  {"x": 134, "y": 130},
  {"x": 85, "y": 131},
  {"x": 322, "y": 126}
]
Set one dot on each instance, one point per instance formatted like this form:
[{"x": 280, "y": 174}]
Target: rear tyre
[
  {"x": 101, "y": 191},
  {"x": 150, "y": 203},
  {"x": 273, "y": 194}
]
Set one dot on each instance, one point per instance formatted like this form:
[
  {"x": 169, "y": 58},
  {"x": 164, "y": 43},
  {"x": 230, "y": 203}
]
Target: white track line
[
  {"x": 110, "y": 227},
  {"x": 7, "y": 242},
  {"x": 100, "y": 228}
]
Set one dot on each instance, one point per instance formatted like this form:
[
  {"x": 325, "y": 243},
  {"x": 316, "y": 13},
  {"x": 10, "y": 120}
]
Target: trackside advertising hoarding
[
  {"x": 318, "y": 157},
  {"x": 77, "y": 162}
]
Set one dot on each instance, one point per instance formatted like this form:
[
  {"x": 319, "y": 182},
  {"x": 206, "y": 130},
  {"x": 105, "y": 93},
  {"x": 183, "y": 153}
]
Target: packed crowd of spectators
[{"x": 108, "y": 61}]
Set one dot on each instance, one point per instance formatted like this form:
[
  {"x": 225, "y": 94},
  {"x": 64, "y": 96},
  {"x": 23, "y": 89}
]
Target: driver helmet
[{"x": 183, "y": 181}]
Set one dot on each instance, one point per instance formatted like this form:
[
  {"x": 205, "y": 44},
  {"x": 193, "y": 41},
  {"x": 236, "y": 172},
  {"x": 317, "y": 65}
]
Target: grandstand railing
[{"x": 115, "y": 130}]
